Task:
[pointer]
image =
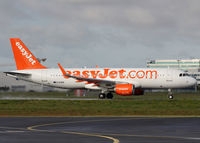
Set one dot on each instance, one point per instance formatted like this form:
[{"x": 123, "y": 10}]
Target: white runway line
[
  {"x": 15, "y": 131},
  {"x": 4, "y": 132},
  {"x": 191, "y": 138}
]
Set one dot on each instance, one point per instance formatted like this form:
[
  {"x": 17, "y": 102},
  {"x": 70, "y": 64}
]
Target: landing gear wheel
[
  {"x": 109, "y": 95},
  {"x": 102, "y": 96},
  {"x": 170, "y": 96}
]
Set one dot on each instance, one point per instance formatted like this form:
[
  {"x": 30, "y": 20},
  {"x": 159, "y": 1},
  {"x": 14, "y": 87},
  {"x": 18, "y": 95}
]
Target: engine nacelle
[
  {"x": 124, "y": 89},
  {"x": 127, "y": 89}
]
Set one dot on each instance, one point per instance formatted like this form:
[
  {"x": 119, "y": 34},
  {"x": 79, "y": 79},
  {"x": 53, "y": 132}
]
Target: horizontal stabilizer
[{"x": 25, "y": 75}]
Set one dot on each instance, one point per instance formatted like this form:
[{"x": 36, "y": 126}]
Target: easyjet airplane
[{"x": 122, "y": 81}]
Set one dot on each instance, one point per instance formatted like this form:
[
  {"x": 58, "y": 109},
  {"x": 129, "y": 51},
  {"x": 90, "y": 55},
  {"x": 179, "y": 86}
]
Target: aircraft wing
[
  {"x": 98, "y": 82},
  {"x": 92, "y": 80}
]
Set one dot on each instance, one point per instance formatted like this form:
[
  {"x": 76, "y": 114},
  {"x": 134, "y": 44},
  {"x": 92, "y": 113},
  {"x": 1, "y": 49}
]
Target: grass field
[{"x": 151, "y": 104}]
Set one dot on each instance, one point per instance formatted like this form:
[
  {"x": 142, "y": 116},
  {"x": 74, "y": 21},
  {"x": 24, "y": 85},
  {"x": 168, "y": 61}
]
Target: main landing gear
[
  {"x": 102, "y": 95},
  {"x": 170, "y": 94},
  {"x": 109, "y": 95}
]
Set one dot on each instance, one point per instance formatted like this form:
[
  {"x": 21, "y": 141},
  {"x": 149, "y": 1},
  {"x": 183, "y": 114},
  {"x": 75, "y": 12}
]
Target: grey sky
[{"x": 114, "y": 33}]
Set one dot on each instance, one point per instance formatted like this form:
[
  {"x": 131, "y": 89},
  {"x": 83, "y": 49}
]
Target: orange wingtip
[{"x": 61, "y": 68}]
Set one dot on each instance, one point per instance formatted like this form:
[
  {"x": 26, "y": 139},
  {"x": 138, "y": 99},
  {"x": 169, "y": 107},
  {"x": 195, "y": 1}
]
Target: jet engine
[
  {"x": 127, "y": 89},
  {"x": 124, "y": 89}
]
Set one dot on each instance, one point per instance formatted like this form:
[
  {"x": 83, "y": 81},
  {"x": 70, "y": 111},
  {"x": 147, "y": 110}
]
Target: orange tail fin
[{"x": 23, "y": 57}]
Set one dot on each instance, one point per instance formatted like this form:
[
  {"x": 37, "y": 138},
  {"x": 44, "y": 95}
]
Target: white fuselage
[{"x": 145, "y": 78}]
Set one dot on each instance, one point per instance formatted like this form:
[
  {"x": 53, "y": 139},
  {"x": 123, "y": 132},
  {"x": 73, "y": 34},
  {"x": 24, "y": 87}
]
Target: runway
[{"x": 99, "y": 130}]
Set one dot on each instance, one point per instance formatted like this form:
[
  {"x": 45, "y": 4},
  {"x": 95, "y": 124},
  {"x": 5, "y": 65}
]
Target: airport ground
[
  {"x": 54, "y": 117},
  {"x": 99, "y": 130}
]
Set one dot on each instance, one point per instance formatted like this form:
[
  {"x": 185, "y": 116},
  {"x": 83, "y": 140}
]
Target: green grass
[{"x": 151, "y": 104}]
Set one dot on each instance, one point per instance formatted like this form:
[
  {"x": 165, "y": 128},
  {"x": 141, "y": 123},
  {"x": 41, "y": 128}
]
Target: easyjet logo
[
  {"x": 113, "y": 74},
  {"x": 25, "y": 53}
]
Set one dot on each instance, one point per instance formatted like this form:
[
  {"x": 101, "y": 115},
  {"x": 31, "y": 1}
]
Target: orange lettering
[
  {"x": 105, "y": 75},
  {"x": 138, "y": 75},
  {"x": 76, "y": 73},
  {"x": 94, "y": 73},
  {"x": 121, "y": 73},
  {"x": 113, "y": 74},
  {"x": 151, "y": 74},
  {"x": 85, "y": 74},
  {"x": 131, "y": 73},
  {"x": 68, "y": 73}
]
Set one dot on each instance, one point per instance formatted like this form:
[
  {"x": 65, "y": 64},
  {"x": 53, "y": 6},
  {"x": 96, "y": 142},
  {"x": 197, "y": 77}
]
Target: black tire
[
  {"x": 170, "y": 97},
  {"x": 109, "y": 95},
  {"x": 102, "y": 96}
]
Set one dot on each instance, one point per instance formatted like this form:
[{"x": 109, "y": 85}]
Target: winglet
[
  {"x": 63, "y": 71},
  {"x": 61, "y": 68},
  {"x": 97, "y": 66}
]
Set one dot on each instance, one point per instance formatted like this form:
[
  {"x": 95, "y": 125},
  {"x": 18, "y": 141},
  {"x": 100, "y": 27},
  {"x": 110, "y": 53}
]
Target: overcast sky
[{"x": 107, "y": 33}]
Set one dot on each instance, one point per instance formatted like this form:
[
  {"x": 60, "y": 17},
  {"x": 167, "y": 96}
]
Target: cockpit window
[{"x": 183, "y": 74}]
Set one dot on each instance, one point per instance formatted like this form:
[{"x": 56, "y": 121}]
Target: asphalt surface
[{"x": 99, "y": 130}]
